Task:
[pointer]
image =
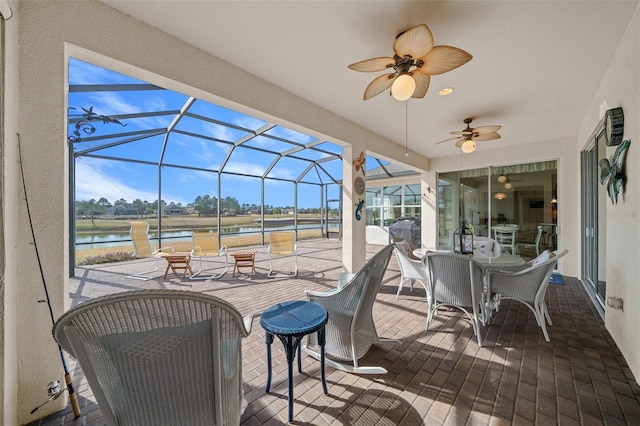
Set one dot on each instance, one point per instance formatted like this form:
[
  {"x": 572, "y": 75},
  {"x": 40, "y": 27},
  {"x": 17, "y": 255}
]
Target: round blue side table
[{"x": 291, "y": 321}]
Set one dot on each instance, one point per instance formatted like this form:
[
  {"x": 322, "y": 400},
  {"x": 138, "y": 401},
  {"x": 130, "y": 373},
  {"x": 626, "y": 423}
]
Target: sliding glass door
[
  {"x": 594, "y": 217},
  {"x": 522, "y": 196}
]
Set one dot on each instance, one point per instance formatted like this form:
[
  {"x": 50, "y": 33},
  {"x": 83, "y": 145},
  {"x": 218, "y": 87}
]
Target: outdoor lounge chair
[
  {"x": 528, "y": 286},
  {"x": 282, "y": 243},
  {"x": 159, "y": 357},
  {"x": 350, "y": 331},
  {"x": 456, "y": 281},
  {"x": 142, "y": 248},
  {"x": 205, "y": 244}
]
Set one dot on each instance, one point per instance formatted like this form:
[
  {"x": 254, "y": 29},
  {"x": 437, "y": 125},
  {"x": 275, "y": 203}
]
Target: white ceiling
[{"x": 535, "y": 69}]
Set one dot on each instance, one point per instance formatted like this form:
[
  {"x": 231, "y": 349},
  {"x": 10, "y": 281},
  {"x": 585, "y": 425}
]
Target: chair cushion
[
  {"x": 483, "y": 248},
  {"x": 542, "y": 257}
]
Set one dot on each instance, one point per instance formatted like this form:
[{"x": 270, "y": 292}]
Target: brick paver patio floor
[{"x": 439, "y": 376}]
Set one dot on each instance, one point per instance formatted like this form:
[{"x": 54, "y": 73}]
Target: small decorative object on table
[{"x": 463, "y": 239}]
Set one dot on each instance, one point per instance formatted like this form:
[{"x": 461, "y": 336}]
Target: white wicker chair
[
  {"x": 411, "y": 270},
  {"x": 456, "y": 281},
  {"x": 350, "y": 331},
  {"x": 528, "y": 286},
  {"x": 159, "y": 357}
]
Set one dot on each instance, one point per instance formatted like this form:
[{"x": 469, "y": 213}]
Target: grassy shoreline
[{"x": 231, "y": 241}]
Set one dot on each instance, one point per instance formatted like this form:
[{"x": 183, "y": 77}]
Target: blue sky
[{"x": 98, "y": 177}]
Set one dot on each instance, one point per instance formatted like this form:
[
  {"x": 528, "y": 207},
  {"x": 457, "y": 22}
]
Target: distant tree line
[{"x": 204, "y": 205}]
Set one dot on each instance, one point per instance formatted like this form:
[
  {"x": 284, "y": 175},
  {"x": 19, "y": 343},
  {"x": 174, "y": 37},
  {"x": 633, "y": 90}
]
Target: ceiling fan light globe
[
  {"x": 508, "y": 185},
  {"x": 502, "y": 178},
  {"x": 468, "y": 146},
  {"x": 403, "y": 87}
]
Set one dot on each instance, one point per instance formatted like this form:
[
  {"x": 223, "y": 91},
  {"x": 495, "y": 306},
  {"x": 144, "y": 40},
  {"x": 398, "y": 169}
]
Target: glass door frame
[{"x": 593, "y": 241}]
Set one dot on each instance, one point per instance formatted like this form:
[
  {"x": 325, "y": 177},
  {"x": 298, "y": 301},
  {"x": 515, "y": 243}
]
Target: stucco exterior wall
[{"x": 621, "y": 88}]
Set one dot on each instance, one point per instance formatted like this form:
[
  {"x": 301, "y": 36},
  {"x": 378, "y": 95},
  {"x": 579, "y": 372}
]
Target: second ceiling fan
[{"x": 466, "y": 139}]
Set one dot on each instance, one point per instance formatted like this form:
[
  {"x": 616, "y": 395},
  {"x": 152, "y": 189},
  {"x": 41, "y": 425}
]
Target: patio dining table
[{"x": 504, "y": 261}]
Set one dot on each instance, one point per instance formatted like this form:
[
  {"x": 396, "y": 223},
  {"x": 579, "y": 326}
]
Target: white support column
[
  {"x": 354, "y": 231},
  {"x": 429, "y": 212}
]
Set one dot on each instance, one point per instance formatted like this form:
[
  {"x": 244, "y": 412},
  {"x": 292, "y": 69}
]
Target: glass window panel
[
  {"x": 392, "y": 196},
  {"x": 448, "y": 212},
  {"x": 412, "y": 194},
  {"x": 374, "y": 206},
  {"x": 390, "y": 214}
]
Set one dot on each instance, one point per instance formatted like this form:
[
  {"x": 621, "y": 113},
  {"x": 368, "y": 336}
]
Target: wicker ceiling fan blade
[
  {"x": 486, "y": 129},
  {"x": 446, "y": 140},
  {"x": 379, "y": 85},
  {"x": 422, "y": 84},
  {"x": 487, "y": 137},
  {"x": 415, "y": 42},
  {"x": 443, "y": 59},
  {"x": 373, "y": 64}
]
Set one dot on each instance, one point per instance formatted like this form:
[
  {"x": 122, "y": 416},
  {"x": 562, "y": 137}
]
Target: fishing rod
[{"x": 54, "y": 389}]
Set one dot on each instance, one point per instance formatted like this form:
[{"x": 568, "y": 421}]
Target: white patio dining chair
[
  {"x": 506, "y": 236},
  {"x": 411, "y": 269},
  {"x": 536, "y": 241},
  {"x": 350, "y": 331},
  {"x": 528, "y": 286},
  {"x": 456, "y": 281},
  {"x": 142, "y": 248},
  {"x": 159, "y": 357}
]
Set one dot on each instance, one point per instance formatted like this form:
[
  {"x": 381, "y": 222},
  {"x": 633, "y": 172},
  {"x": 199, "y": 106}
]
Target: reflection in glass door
[{"x": 521, "y": 198}]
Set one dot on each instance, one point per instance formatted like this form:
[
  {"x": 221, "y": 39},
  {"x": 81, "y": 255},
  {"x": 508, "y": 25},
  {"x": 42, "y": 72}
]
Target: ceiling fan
[
  {"x": 414, "y": 61},
  {"x": 467, "y": 138}
]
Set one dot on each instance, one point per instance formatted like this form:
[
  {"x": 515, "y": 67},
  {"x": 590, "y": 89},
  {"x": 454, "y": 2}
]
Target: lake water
[{"x": 114, "y": 239}]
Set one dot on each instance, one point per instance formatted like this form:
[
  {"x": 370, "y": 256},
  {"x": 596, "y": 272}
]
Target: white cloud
[{"x": 97, "y": 178}]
